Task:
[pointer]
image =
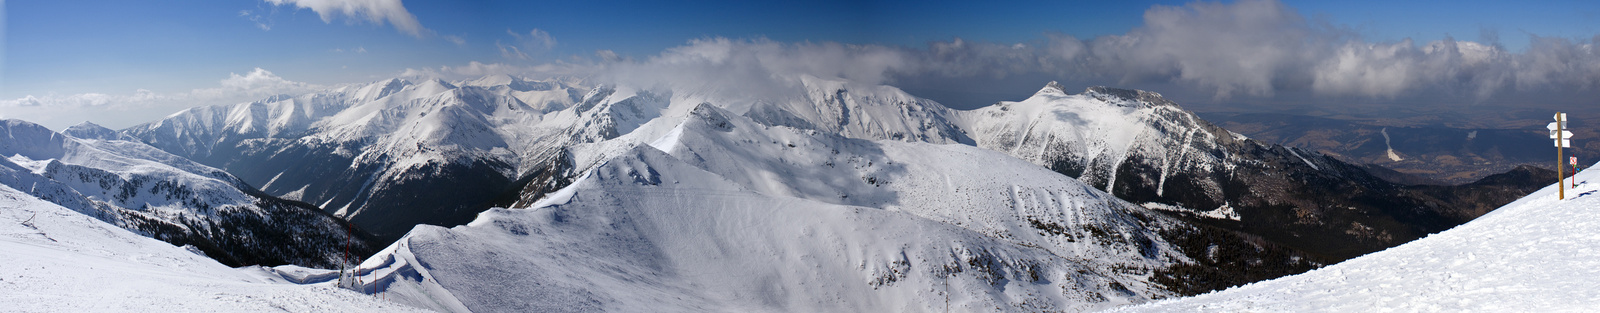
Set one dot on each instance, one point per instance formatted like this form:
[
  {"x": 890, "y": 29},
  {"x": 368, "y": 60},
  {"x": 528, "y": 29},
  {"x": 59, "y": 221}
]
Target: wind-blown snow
[
  {"x": 58, "y": 260},
  {"x": 1537, "y": 254}
]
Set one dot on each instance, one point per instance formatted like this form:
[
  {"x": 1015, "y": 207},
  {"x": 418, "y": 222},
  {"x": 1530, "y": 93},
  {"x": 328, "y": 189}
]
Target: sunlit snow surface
[
  {"x": 1538, "y": 254},
  {"x": 738, "y": 216},
  {"x": 59, "y": 260}
]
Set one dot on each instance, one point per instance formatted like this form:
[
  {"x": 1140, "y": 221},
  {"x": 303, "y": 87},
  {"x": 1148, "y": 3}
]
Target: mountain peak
[
  {"x": 393, "y": 83},
  {"x": 16, "y": 127},
  {"x": 1141, "y": 97},
  {"x": 381, "y": 89},
  {"x": 712, "y": 115},
  {"x": 1052, "y": 88},
  {"x": 88, "y": 130}
]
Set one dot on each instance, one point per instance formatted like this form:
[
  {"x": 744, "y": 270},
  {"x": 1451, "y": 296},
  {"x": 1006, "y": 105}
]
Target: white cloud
[
  {"x": 261, "y": 22},
  {"x": 607, "y": 56},
  {"x": 375, "y": 11},
  {"x": 1250, "y": 48},
  {"x": 534, "y": 42},
  {"x": 121, "y": 110},
  {"x": 256, "y": 82},
  {"x": 511, "y": 52},
  {"x": 455, "y": 39},
  {"x": 536, "y": 38},
  {"x": 475, "y": 69}
]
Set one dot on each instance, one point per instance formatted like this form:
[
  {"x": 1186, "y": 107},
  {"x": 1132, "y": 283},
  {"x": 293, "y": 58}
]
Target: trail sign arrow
[
  {"x": 1564, "y": 143},
  {"x": 1564, "y": 134},
  {"x": 1553, "y": 125}
]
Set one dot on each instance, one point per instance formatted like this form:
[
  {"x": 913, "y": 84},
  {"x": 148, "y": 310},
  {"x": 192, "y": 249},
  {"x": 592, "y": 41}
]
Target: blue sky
[{"x": 64, "y": 48}]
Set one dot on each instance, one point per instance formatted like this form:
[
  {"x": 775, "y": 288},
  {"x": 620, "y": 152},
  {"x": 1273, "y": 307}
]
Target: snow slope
[
  {"x": 719, "y": 213},
  {"x": 1537, "y": 254},
  {"x": 141, "y": 188},
  {"x": 1090, "y": 135},
  {"x": 646, "y": 232},
  {"x": 1148, "y": 150},
  {"x": 59, "y": 260},
  {"x": 386, "y": 155},
  {"x": 855, "y": 110}
]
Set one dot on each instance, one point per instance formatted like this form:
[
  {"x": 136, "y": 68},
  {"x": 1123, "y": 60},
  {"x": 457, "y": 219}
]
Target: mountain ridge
[{"x": 146, "y": 190}]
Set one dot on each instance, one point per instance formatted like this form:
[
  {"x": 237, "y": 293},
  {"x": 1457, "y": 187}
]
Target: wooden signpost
[{"x": 1558, "y": 131}]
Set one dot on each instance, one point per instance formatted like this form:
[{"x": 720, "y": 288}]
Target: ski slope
[
  {"x": 58, "y": 260},
  {"x": 1538, "y": 254}
]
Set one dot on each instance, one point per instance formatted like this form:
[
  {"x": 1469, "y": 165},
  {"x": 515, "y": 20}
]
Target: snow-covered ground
[
  {"x": 1538, "y": 254},
  {"x": 53, "y": 259},
  {"x": 164, "y": 196},
  {"x": 706, "y": 210}
]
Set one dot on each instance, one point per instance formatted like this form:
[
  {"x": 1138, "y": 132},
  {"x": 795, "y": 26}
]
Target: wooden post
[{"x": 1561, "y": 177}]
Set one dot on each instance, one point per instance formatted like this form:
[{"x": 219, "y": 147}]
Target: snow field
[
  {"x": 1537, "y": 254},
  {"x": 58, "y": 260}
]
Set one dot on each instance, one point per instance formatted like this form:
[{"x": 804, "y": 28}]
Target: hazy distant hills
[{"x": 1438, "y": 154}]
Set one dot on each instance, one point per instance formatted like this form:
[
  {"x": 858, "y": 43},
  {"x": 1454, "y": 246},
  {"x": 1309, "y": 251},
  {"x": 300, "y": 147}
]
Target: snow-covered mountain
[
  {"x": 167, "y": 197},
  {"x": 394, "y": 154},
  {"x": 708, "y": 210},
  {"x": 1533, "y": 255},
  {"x": 386, "y": 155},
  {"x": 59, "y": 260},
  {"x": 860, "y": 111},
  {"x": 1148, "y": 150}
]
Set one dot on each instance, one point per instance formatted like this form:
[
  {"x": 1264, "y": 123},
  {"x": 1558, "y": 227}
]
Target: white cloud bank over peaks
[
  {"x": 1249, "y": 49},
  {"x": 755, "y": 67},
  {"x": 118, "y": 111},
  {"x": 536, "y": 41},
  {"x": 1258, "y": 49},
  {"x": 1263, "y": 47},
  {"x": 375, "y": 11}
]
